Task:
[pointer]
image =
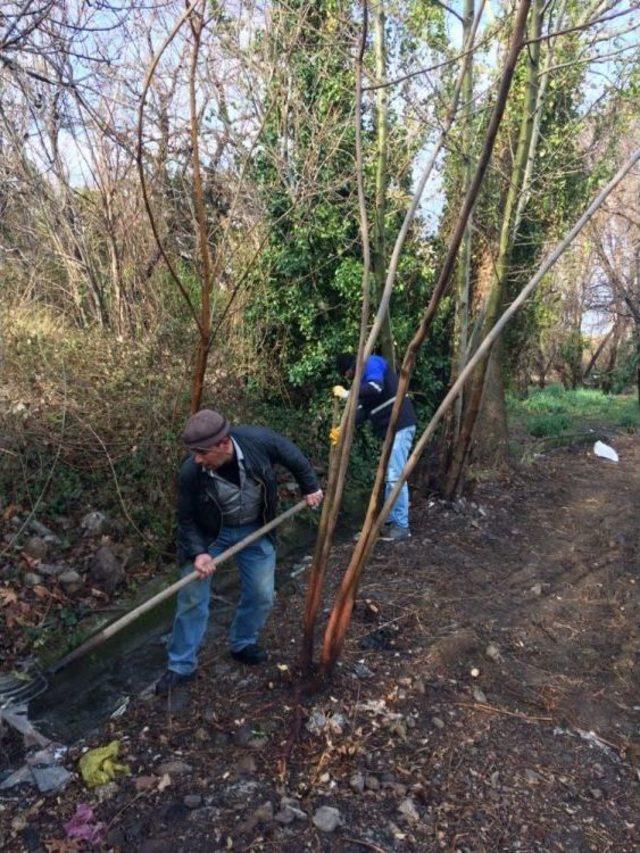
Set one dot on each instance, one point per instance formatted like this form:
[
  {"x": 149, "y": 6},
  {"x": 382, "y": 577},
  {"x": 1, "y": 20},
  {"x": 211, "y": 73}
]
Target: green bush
[{"x": 544, "y": 426}]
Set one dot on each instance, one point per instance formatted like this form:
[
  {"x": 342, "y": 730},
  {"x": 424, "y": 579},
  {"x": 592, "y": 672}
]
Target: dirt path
[{"x": 487, "y": 698}]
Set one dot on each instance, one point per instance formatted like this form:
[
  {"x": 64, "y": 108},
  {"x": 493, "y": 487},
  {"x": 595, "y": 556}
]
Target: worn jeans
[
  {"x": 256, "y": 565},
  {"x": 399, "y": 454}
]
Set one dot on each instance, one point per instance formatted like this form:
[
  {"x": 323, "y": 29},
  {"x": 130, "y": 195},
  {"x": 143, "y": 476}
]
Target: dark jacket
[
  {"x": 199, "y": 516},
  {"x": 378, "y": 389}
]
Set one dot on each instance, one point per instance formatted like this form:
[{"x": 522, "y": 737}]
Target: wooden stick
[{"x": 128, "y": 618}]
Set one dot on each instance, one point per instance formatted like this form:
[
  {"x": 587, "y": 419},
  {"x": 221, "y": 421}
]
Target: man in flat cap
[{"x": 227, "y": 489}]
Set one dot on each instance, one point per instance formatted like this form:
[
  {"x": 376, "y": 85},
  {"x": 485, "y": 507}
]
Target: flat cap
[{"x": 204, "y": 429}]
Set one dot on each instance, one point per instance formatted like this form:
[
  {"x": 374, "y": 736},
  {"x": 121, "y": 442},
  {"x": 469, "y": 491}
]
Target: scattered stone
[
  {"x": 106, "y": 569},
  {"x": 336, "y": 724},
  {"x": 42, "y": 530},
  {"x": 71, "y": 581},
  {"x": 52, "y": 570},
  {"x": 94, "y": 524},
  {"x": 495, "y": 778},
  {"x": 143, "y": 783},
  {"x": 258, "y": 742},
  {"x": 479, "y": 695},
  {"x": 327, "y": 819},
  {"x": 201, "y": 735},
  {"x": 397, "y": 727},
  {"x": 31, "y": 579},
  {"x": 174, "y": 768},
  {"x": 372, "y": 783},
  {"x": 316, "y": 722},
  {"x": 361, "y": 670},
  {"x": 291, "y": 805},
  {"x": 284, "y": 816},
  {"x": 536, "y": 589},
  {"x": 420, "y": 687},
  {"x": 246, "y": 765},
  {"x": 36, "y": 547},
  {"x": 264, "y": 812},
  {"x": 51, "y": 778},
  {"x": 408, "y": 810},
  {"x": 437, "y": 722},
  {"x": 105, "y": 792},
  {"x": 492, "y": 652},
  {"x": 357, "y": 782},
  {"x": 193, "y": 801},
  {"x": 596, "y": 793},
  {"x": 532, "y": 778}
]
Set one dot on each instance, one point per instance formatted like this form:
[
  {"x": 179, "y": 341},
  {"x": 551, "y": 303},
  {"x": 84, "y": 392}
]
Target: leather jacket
[{"x": 199, "y": 515}]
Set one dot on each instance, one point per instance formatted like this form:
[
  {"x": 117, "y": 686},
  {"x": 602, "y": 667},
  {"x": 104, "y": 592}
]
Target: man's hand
[
  {"x": 314, "y": 499},
  {"x": 340, "y": 392},
  {"x": 334, "y": 435},
  {"x": 204, "y": 565}
]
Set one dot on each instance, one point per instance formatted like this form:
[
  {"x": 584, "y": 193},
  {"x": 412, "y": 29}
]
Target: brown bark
[{"x": 343, "y": 606}]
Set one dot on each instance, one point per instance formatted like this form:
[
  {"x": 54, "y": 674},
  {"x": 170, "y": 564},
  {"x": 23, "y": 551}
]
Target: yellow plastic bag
[{"x": 98, "y": 766}]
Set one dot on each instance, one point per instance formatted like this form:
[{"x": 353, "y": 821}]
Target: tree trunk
[
  {"x": 459, "y": 350},
  {"x": 379, "y": 253},
  {"x": 496, "y": 296}
]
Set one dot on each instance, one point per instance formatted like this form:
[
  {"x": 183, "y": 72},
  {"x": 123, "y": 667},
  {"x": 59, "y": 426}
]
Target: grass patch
[{"x": 554, "y": 411}]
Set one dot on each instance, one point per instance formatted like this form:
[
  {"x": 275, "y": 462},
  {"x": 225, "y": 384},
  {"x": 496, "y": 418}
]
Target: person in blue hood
[{"x": 376, "y": 396}]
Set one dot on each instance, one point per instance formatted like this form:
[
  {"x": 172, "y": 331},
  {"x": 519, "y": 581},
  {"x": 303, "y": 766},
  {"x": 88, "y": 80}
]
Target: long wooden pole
[{"x": 128, "y": 618}]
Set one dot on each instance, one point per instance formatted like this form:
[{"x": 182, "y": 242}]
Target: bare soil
[{"x": 487, "y": 697}]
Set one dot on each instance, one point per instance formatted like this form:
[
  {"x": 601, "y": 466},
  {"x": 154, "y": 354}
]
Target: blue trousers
[
  {"x": 256, "y": 565},
  {"x": 399, "y": 454}
]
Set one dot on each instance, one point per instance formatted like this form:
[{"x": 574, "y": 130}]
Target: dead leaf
[
  {"x": 8, "y": 596},
  {"x": 164, "y": 782},
  {"x": 41, "y": 591},
  {"x": 60, "y": 845}
]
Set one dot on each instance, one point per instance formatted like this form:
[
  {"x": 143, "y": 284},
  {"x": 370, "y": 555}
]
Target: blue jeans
[
  {"x": 257, "y": 565},
  {"x": 399, "y": 454}
]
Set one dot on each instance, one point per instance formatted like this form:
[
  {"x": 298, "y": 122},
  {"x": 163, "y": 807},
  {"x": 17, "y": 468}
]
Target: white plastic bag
[{"x": 606, "y": 452}]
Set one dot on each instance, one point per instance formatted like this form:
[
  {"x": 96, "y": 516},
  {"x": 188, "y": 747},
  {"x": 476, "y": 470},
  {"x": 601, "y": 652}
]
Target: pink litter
[{"x": 82, "y": 826}]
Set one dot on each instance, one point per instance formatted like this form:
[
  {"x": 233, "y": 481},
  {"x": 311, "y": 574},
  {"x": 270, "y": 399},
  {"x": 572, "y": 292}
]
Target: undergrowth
[
  {"x": 90, "y": 422},
  {"x": 554, "y": 412}
]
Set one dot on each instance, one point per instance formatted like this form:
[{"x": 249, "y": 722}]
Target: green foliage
[
  {"x": 542, "y": 426},
  {"x": 555, "y": 410},
  {"x": 625, "y": 373}
]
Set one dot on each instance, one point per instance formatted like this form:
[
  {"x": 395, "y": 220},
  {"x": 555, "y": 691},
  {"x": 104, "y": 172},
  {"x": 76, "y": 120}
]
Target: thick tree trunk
[
  {"x": 491, "y": 439},
  {"x": 496, "y": 296}
]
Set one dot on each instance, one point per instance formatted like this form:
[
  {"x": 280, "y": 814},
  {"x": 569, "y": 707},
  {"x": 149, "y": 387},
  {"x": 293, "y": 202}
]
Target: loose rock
[
  {"x": 174, "y": 768},
  {"x": 292, "y": 806},
  {"x": 143, "y": 783},
  {"x": 357, "y": 782},
  {"x": 71, "y": 581},
  {"x": 193, "y": 801},
  {"x": 479, "y": 695},
  {"x": 31, "y": 579},
  {"x": 407, "y": 809},
  {"x": 246, "y": 765},
  {"x": 35, "y": 547},
  {"x": 372, "y": 783},
  {"x": 106, "y": 569},
  {"x": 492, "y": 652},
  {"x": 264, "y": 812},
  {"x": 327, "y": 819},
  {"x": 94, "y": 523},
  {"x": 531, "y": 777}
]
